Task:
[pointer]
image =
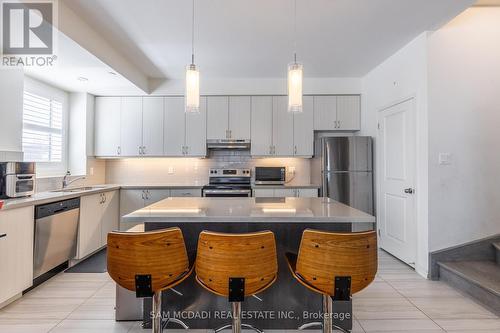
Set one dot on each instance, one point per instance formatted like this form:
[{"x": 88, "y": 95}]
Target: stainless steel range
[{"x": 228, "y": 183}]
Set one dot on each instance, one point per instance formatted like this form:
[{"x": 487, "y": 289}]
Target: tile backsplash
[
  {"x": 98, "y": 177},
  {"x": 195, "y": 170}
]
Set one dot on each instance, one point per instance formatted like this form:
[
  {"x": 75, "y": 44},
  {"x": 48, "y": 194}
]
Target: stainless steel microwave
[
  {"x": 17, "y": 179},
  {"x": 270, "y": 175}
]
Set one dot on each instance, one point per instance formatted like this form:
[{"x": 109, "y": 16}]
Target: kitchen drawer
[{"x": 185, "y": 192}]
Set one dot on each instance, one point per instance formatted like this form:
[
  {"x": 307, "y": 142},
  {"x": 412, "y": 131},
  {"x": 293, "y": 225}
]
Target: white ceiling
[
  {"x": 253, "y": 38},
  {"x": 73, "y": 62}
]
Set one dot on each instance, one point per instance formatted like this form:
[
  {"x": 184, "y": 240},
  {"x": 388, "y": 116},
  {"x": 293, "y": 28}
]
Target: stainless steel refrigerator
[{"x": 343, "y": 166}]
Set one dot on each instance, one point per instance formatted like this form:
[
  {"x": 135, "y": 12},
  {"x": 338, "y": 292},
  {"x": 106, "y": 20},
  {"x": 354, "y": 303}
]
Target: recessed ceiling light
[
  {"x": 83, "y": 79},
  {"x": 112, "y": 73}
]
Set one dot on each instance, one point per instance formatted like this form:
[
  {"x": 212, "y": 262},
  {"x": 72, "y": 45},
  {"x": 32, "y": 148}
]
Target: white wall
[
  {"x": 258, "y": 86},
  {"x": 81, "y": 132},
  {"x": 11, "y": 113},
  {"x": 464, "y": 120},
  {"x": 403, "y": 76}
]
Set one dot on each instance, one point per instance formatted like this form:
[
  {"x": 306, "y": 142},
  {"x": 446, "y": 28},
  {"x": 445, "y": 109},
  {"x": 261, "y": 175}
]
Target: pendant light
[
  {"x": 192, "y": 95},
  {"x": 295, "y": 73}
]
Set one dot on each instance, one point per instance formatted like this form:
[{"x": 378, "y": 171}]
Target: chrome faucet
[{"x": 66, "y": 182}]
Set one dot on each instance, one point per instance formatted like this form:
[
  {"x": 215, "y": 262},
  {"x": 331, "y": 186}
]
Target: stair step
[
  {"x": 497, "y": 251},
  {"x": 479, "y": 279}
]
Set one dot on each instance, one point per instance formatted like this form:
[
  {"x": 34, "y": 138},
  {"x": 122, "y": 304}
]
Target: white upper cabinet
[
  {"x": 325, "y": 113},
  {"x": 107, "y": 126},
  {"x": 175, "y": 126},
  {"x": 282, "y": 127},
  {"x": 239, "y": 117},
  {"x": 217, "y": 117},
  {"x": 262, "y": 126},
  {"x": 349, "y": 113},
  {"x": 196, "y": 131},
  {"x": 303, "y": 133},
  {"x": 152, "y": 126},
  {"x": 131, "y": 126},
  {"x": 337, "y": 113}
]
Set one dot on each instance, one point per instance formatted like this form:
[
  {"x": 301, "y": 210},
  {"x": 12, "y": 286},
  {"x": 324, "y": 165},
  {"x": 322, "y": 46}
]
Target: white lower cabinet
[
  {"x": 99, "y": 214},
  {"x": 286, "y": 193},
  {"x": 135, "y": 199},
  {"x": 16, "y": 251}
]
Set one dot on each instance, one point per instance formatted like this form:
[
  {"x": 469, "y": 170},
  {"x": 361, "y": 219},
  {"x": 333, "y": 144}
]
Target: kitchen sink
[{"x": 80, "y": 189}]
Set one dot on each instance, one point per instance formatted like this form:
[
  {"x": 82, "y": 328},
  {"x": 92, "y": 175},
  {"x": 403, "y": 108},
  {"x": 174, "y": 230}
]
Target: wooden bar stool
[
  {"x": 235, "y": 266},
  {"x": 334, "y": 264},
  {"x": 148, "y": 263}
]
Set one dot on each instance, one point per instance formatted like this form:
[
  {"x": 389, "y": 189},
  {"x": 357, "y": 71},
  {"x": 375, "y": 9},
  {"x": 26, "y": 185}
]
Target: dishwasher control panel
[{"x": 53, "y": 208}]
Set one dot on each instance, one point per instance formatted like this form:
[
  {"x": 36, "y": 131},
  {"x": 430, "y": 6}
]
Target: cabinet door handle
[
  {"x": 148, "y": 195},
  {"x": 119, "y": 150},
  {"x": 295, "y": 150},
  {"x": 104, "y": 197},
  {"x": 3, "y": 235},
  {"x": 230, "y": 134},
  {"x": 142, "y": 195},
  {"x": 339, "y": 124},
  {"x": 143, "y": 150}
]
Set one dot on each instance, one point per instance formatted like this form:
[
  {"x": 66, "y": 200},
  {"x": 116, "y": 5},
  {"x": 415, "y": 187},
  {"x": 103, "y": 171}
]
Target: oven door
[
  {"x": 19, "y": 185},
  {"x": 227, "y": 193}
]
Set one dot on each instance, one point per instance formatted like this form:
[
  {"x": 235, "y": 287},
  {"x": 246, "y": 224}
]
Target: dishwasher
[{"x": 56, "y": 229}]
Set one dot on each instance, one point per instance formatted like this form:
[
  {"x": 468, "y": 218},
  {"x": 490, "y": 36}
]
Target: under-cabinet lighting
[{"x": 279, "y": 210}]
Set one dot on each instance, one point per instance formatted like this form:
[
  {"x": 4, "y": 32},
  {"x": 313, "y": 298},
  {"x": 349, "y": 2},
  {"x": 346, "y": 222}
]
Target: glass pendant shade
[
  {"x": 295, "y": 77},
  {"x": 192, "y": 96}
]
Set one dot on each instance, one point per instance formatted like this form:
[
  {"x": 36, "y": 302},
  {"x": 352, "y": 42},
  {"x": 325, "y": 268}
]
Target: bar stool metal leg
[
  {"x": 236, "y": 317},
  {"x": 156, "y": 321},
  {"x": 327, "y": 324}
]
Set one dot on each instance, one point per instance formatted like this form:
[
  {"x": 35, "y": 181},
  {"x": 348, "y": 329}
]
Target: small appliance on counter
[
  {"x": 270, "y": 175},
  {"x": 17, "y": 179},
  {"x": 228, "y": 183}
]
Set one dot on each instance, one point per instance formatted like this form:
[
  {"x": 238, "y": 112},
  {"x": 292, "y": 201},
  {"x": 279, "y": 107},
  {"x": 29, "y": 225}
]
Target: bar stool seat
[
  {"x": 235, "y": 266},
  {"x": 148, "y": 263},
  {"x": 326, "y": 259}
]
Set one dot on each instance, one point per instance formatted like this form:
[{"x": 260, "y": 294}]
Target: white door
[
  {"x": 397, "y": 149},
  {"x": 110, "y": 214},
  {"x": 89, "y": 227},
  {"x": 349, "y": 113},
  {"x": 325, "y": 113},
  {"x": 262, "y": 125},
  {"x": 239, "y": 117},
  {"x": 131, "y": 127},
  {"x": 152, "y": 126},
  {"x": 303, "y": 133},
  {"x": 174, "y": 127},
  {"x": 217, "y": 117},
  {"x": 196, "y": 131},
  {"x": 107, "y": 126},
  {"x": 282, "y": 127}
]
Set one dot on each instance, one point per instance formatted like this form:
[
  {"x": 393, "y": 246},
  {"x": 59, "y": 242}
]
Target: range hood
[{"x": 228, "y": 144}]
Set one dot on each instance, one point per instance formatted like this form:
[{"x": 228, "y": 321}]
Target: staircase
[{"x": 479, "y": 278}]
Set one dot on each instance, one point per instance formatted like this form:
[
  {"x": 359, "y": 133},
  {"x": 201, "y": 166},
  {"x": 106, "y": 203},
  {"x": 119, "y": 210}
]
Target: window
[
  {"x": 45, "y": 123},
  {"x": 42, "y": 129}
]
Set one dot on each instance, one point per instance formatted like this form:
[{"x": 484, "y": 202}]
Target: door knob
[{"x": 409, "y": 190}]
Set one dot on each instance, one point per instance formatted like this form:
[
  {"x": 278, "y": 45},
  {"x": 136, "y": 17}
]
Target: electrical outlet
[
  {"x": 291, "y": 169},
  {"x": 91, "y": 171},
  {"x": 171, "y": 170},
  {"x": 444, "y": 158}
]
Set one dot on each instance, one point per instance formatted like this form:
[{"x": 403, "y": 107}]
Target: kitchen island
[{"x": 286, "y": 304}]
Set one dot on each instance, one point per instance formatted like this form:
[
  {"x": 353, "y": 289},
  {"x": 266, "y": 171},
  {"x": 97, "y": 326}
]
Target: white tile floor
[{"x": 398, "y": 300}]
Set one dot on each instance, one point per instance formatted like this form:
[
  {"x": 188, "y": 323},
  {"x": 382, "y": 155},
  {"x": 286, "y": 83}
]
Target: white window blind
[{"x": 42, "y": 129}]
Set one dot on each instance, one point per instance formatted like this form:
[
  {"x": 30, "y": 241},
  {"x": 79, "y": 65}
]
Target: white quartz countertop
[
  {"x": 248, "y": 210},
  {"x": 53, "y": 196},
  {"x": 286, "y": 186}
]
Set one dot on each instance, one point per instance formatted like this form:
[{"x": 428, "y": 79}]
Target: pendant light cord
[
  {"x": 295, "y": 31},
  {"x": 192, "y": 37}
]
